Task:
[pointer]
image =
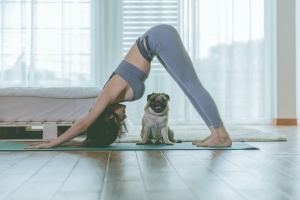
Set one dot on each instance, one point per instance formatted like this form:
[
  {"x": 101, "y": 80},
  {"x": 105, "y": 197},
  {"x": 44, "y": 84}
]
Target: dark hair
[{"x": 104, "y": 131}]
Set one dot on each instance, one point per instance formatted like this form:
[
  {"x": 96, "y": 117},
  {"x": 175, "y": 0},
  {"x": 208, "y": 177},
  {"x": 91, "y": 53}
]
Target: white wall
[
  {"x": 285, "y": 93},
  {"x": 298, "y": 56}
]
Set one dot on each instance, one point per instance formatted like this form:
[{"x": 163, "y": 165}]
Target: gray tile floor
[{"x": 273, "y": 172}]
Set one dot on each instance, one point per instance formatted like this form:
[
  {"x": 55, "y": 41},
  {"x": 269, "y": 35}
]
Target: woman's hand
[{"x": 41, "y": 145}]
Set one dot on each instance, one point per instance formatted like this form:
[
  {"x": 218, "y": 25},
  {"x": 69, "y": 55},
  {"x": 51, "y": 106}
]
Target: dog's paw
[
  {"x": 158, "y": 142},
  {"x": 178, "y": 141}
]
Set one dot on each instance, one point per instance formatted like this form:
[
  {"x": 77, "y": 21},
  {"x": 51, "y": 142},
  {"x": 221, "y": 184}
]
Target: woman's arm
[
  {"x": 71, "y": 133},
  {"x": 115, "y": 91},
  {"x": 78, "y": 128}
]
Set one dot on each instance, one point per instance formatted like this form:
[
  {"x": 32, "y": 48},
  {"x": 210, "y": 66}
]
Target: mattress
[{"x": 46, "y": 104}]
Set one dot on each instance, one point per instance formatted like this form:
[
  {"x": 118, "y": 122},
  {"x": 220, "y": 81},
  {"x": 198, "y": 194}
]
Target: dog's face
[{"x": 158, "y": 102}]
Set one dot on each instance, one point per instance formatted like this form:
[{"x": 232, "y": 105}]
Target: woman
[{"x": 127, "y": 84}]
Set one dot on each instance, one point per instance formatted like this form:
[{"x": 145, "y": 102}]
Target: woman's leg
[
  {"x": 177, "y": 62},
  {"x": 196, "y": 106},
  {"x": 192, "y": 100}
]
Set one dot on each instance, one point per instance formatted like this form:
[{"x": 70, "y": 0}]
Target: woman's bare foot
[
  {"x": 213, "y": 133},
  {"x": 221, "y": 139},
  {"x": 216, "y": 142},
  {"x": 203, "y": 140}
]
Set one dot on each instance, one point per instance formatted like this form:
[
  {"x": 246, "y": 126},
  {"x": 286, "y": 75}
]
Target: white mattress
[
  {"x": 58, "y": 93},
  {"x": 46, "y": 104}
]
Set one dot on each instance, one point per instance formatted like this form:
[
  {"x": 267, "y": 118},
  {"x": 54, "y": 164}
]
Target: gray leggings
[{"x": 164, "y": 42}]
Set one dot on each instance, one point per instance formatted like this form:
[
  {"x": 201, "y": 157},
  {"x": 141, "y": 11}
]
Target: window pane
[
  {"x": 55, "y": 37},
  {"x": 77, "y": 15},
  {"x": 76, "y": 41},
  {"x": 48, "y": 15},
  {"x": 47, "y": 67},
  {"x": 48, "y": 42},
  {"x": 12, "y": 42},
  {"x": 13, "y": 70},
  {"x": 77, "y": 68},
  {"x": 62, "y": 71},
  {"x": 12, "y": 15},
  {"x": 12, "y": 62}
]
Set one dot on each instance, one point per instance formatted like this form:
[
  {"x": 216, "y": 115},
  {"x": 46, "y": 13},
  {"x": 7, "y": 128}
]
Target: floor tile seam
[
  {"x": 278, "y": 170},
  {"x": 143, "y": 179},
  {"x": 207, "y": 159},
  {"x": 224, "y": 180},
  {"x": 181, "y": 178},
  {"x": 25, "y": 181},
  {"x": 103, "y": 185},
  {"x": 269, "y": 182},
  {"x": 19, "y": 160},
  {"x": 237, "y": 191},
  {"x": 66, "y": 178}
]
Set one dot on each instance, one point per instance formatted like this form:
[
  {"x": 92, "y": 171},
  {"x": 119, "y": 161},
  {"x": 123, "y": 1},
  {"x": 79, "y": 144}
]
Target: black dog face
[{"x": 158, "y": 101}]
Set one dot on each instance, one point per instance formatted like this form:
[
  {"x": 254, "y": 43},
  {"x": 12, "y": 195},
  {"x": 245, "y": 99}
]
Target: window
[
  {"x": 226, "y": 41},
  {"x": 80, "y": 42},
  {"x": 45, "y": 43},
  {"x": 139, "y": 16}
]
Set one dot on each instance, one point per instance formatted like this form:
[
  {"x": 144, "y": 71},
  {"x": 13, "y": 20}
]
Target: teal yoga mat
[{"x": 19, "y": 146}]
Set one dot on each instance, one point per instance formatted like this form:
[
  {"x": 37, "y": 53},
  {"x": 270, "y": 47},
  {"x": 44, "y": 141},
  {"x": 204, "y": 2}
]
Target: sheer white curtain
[
  {"x": 45, "y": 43},
  {"x": 107, "y": 42},
  {"x": 80, "y": 42},
  {"x": 229, "y": 42},
  {"x": 138, "y": 17}
]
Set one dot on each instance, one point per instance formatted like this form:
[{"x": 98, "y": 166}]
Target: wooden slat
[{"x": 22, "y": 124}]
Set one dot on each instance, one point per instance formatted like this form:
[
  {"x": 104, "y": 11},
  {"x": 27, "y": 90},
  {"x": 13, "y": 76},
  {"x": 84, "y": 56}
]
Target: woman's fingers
[
  {"x": 37, "y": 143},
  {"x": 38, "y": 146}
]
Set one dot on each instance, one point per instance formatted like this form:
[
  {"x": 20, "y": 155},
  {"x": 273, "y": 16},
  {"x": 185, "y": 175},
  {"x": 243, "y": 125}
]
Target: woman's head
[
  {"x": 107, "y": 126},
  {"x": 120, "y": 110}
]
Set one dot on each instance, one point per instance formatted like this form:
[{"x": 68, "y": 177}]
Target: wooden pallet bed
[{"x": 46, "y": 107}]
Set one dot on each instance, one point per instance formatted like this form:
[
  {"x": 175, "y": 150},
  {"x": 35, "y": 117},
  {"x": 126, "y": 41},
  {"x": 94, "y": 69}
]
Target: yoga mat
[{"x": 19, "y": 146}]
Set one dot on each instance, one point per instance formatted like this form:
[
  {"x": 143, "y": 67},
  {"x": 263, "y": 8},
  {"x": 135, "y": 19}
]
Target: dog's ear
[
  {"x": 149, "y": 95},
  {"x": 168, "y": 97}
]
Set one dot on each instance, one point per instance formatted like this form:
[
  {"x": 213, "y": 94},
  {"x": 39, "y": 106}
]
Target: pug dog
[{"x": 155, "y": 127}]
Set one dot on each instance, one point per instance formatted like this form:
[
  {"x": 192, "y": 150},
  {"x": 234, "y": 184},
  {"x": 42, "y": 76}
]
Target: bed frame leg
[{"x": 49, "y": 132}]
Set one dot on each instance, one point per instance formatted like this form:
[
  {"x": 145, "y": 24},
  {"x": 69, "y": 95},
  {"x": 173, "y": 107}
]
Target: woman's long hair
[{"x": 105, "y": 130}]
